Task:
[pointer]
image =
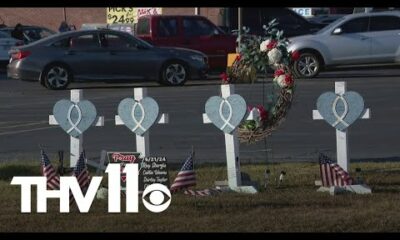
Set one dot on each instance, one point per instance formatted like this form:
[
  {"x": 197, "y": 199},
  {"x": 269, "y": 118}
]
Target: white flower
[
  {"x": 256, "y": 116},
  {"x": 102, "y": 193},
  {"x": 274, "y": 56},
  {"x": 263, "y": 45},
  {"x": 280, "y": 80}
]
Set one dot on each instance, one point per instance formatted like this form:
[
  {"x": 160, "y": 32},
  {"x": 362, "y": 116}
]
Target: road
[{"x": 25, "y": 107}]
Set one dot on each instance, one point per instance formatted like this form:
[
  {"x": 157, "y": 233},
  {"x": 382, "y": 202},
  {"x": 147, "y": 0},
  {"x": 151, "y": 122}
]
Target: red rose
[
  {"x": 288, "y": 80},
  {"x": 238, "y": 57},
  {"x": 279, "y": 72},
  {"x": 295, "y": 55},
  {"x": 272, "y": 44},
  {"x": 224, "y": 77},
  {"x": 263, "y": 112}
]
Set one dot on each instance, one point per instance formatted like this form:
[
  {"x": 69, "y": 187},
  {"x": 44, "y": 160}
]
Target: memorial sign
[
  {"x": 153, "y": 170},
  {"x": 123, "y": 158}
]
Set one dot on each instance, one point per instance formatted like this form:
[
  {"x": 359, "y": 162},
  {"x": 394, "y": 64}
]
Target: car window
[
  {"x": 384, "y": 23},
  {"x": 6, "y": 31},
  {"x": 44, "y": 32},
  {"x": 4, "y": 35},
  {"x": 327, "y": 27},
  {"x": 63, "y": 43},
  {"x": 356, "y": 25},
  {"x": 167, "y": 27},
  {"x": 143, "y": 26},
  {"x": 197, "y": 27},
  {"x": 32, "y": 34},
  {"x": 114, "y": 41},
  {"x": 87, "y": 41}
]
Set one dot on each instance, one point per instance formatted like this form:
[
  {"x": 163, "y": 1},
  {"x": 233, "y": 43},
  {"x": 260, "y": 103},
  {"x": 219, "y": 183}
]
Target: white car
[
  {"x": 356, "y": 39},
  {"x": 129, "y": 28},
  {"x": 6, "y": 42}
]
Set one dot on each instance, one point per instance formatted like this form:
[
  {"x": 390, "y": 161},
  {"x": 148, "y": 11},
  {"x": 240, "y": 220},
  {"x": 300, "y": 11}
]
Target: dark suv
[{"x": 289, "y": 21}]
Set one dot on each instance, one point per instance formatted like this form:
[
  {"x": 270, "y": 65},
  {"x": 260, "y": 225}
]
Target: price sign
[
  {"x": 129, "y": 15},
  {"x": 121, "y": 15}
]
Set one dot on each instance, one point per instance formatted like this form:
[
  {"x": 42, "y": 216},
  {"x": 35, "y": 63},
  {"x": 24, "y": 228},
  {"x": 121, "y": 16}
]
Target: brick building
[{"x": 52, "y": 17}]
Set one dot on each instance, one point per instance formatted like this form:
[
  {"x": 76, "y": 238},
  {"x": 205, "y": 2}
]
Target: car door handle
[{"x": 364, "y": 38}]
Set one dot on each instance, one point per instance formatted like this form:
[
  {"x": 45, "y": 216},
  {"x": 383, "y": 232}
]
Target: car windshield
[{"x": 324, "y": 29}]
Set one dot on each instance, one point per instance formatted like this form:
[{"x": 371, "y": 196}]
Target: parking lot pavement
[{"x": 25, "y": 106}]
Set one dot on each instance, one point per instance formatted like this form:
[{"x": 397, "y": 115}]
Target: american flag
[
  {"x": 332, "y": 174},
  {"x": 48, "y": 171},
  {"x": 82, "y": 174},
  {"x": 186, "y": 176}
]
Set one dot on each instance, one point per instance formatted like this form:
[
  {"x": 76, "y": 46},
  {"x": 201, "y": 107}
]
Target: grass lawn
[{"x": 293, "y": 207}]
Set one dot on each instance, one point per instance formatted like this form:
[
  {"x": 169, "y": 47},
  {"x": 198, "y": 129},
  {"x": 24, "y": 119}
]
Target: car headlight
[{"x": 197, "y": 58}]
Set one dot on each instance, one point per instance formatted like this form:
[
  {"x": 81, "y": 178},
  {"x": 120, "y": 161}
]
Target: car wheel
[
  {"x": 307, "y": 66},
  {"x": 56, "y": 77},
  {"x": 173, "y": 74}
]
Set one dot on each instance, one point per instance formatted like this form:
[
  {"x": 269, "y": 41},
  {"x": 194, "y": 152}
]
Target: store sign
[
  {"x": 305, "y": 12},
  {"x": 121, "y": 15},
  {"x": 129, "y": 15}
]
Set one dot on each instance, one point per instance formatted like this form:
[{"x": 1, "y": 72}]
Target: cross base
[
  {"x": 335, "y": 190},
  {"x": 245, "y": 189}
]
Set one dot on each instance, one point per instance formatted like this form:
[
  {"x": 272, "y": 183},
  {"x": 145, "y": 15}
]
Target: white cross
[
  {"x": 342, "y": 150},
  {"x": 143, "y": 142},
  {"x": 76, "y": 143},
  {"x": 232, "y": 147}
]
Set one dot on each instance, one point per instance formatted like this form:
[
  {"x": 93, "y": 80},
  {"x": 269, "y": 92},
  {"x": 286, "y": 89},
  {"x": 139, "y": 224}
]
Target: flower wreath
[{"x": 258, "y": 53}]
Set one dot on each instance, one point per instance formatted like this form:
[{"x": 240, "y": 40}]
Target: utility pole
[
  {"x": 65, "y": 14},
  {"x": 240, "y": 25}
]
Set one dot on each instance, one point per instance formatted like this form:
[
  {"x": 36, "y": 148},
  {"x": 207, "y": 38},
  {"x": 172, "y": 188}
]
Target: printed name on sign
[{"x": 154, "y": 170}]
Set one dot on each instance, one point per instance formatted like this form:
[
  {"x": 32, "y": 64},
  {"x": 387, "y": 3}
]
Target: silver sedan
[
  {"x": 105, "y": 54},
  {"x": 358, "y": 39}
]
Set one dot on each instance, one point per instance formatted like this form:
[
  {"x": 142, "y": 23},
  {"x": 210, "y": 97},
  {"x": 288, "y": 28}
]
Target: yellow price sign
[
  {"x": 121, "y": 15},
  {"x": 129, "y": 15}
]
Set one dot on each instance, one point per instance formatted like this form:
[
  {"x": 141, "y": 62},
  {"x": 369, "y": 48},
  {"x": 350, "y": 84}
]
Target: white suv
[{"x": 355, "y": 39}]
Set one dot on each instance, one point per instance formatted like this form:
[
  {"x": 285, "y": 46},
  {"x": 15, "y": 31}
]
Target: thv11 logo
[{"x": 155, "y": 191}]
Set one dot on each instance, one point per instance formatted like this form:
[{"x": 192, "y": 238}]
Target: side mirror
[{"x": 337, "y": 31}]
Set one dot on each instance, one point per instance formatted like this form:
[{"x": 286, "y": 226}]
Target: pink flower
[
  {"x": 279, "y": 72},
  {"x": 295, "y": 55},
  {"x": 224, "y": 77},
  {"x": 249, "y": 108},
  {"x": 272, "y": 44}
]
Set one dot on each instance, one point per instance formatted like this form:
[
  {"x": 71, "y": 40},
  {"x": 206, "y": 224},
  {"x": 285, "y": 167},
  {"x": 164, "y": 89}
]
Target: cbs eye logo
[{"x": 156, "y": 194}]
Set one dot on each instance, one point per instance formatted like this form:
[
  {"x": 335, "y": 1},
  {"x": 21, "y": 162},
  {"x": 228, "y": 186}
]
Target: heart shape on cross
[
  {"x": 340, "y": 111},
  {"x": 74, "y": 118},
  {"x": 226, "y": 114},
  {"x": 138, "y": 116}
]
